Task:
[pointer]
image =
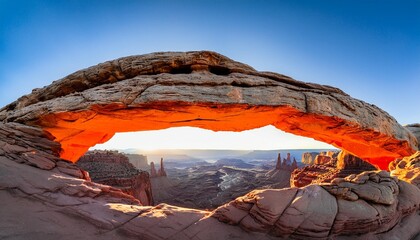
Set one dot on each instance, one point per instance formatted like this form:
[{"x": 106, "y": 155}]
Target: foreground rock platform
[
  {"x": 45, "y": 204},
  {"x": 207, "y": 90}
]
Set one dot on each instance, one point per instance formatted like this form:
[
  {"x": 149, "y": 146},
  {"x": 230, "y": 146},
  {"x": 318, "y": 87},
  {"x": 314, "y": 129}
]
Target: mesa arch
[{"x": 203, "y": 89}]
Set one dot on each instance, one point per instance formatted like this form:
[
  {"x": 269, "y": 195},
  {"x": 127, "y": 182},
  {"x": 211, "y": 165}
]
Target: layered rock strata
[
  {"x": 207, "y": 90},
  {"x": 309, "y": 157},
  {"x": 114, "y": 169},
  {"x": 327, "y": 168},
  {"x": 35, "y": 147},
  {"x": 31, "y": 164}
]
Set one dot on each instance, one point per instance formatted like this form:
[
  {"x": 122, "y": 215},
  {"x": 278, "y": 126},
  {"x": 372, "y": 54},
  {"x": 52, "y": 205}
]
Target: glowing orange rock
[{"x": 206, "y": 90}]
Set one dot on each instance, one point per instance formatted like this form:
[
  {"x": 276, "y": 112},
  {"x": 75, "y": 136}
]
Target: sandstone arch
[{"x": 207, "y": 90}]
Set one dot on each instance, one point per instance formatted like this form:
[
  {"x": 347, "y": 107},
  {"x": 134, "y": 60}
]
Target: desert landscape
[
  {"x": 52, "y": 187},
  {"x": 187, "y": 181},
  {"x": 209, "y": 120}
]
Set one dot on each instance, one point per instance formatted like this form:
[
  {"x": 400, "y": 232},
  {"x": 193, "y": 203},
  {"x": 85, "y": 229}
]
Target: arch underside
[{"x": 80, "y": 130}]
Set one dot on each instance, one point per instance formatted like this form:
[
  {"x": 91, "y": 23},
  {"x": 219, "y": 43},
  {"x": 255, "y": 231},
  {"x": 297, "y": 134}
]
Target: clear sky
[{"x": 369, "y": 49}]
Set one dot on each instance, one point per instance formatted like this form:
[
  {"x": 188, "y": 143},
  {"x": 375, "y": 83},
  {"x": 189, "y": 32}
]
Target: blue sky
[{"x": 369, "y": 49}]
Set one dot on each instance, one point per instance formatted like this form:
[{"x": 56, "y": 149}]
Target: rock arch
[{"x": 203, "y": 89}]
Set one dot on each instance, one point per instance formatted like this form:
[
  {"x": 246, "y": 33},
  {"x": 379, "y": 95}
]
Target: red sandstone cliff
[
  {"x": 114, "y": 169},
  {"x": 138, "y": 160}
]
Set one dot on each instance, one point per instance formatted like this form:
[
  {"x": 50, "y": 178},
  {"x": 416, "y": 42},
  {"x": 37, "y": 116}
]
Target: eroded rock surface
[
  {"x": 309, "y": 157},
  {"x": 328, "y": 167},
  {"x": 407, "y": 169},
  {"x": 368, "y": 204},
  {"x": 35, "y": 147},
  {"x": 207, "y": 90},
  {"x": 114, "y": 169}
]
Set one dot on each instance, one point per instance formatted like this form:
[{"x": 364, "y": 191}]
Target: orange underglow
[{"x": 78, "y": 131}]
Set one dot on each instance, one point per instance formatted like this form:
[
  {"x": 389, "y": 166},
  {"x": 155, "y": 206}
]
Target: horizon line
[{"x": 215, "y": 149}]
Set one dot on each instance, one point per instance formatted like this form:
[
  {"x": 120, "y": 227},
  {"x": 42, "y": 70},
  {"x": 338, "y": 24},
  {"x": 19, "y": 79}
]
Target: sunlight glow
[{"x": 265, "y": 138}]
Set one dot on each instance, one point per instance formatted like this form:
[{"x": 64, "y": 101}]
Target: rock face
[
  {"x": 203, "y": 89},
  {"x": 139, "y": 161},
  {"x": 113, "y": 168},
  {"x": 309, "y": 157},
  {"x": 350, "y": 163},
  {"x": 322, "y": 159},
  {"x": 407, "y": 169},
  {"x": 327, "y": 168},
  {"x": 35, "y": 147}
]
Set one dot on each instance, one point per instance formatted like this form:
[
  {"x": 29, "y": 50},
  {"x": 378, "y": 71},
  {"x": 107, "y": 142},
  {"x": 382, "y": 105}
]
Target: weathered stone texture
[
  {"x": 407, "y": 169},
  {"x": 326, "y": 168},
  {"x": 371, "y": 203}
]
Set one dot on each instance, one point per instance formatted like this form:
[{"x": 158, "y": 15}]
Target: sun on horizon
[{"x": 264, "y": 138}]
